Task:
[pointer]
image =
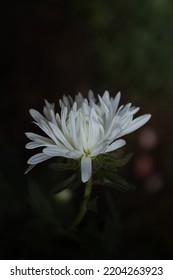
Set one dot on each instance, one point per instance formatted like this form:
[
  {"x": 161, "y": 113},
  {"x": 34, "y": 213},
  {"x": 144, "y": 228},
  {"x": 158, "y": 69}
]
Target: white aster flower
[{"x": 84, "y": 129}]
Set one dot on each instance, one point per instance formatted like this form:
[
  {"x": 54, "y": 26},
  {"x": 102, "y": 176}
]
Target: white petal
[
  {"x": 82, "y": 131},
  {"x": 94, "y": 129},
  {"x": 115, "y": 134},
  {"x": 61, "y": 104},
  {"x": 36, "y": 115},
  {"x": 61, "y": 152},
  {"x": 125, "y": 110},
  {"x": 74, "y": 154},
  {"x": 116, "y": 101},
  {"x": 116, "y": 145},
  {"x": 48, "y": 111},
  {"x": 86, "y": 168},
  {"x": 103, "y": 105},
  {"x": 54, "y": 151},
  {"x": 126, "y": 122},
  {"x": 91, "y": 96},
  {"x": 45, "y": 127},
  {"x": 58, "y": 119},
  {"x": 106, "y": 98},
  {"x": 60, "y": 136},
  {"x": 29, "y": 168},
  {"x": 113, "y": 126},
  {"x": 33, "y": 145},
  {"x": 38, "y": 138},
  {"x": 79, "y": 98},
  {"x": 72, "y": 127},
  {"x": 50, "y": 106},
  {"x": 66, "y": 101},
  {"x": 133, "y": 110},
  {"x": 63, "y": 126},
  {"x": 53, "y": 117},
  {"x": 100, "y": 148},
  {"x": 136, "y": 123},
  {"x": 38, "y": 158}
]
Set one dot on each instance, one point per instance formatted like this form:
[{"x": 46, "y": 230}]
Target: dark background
[{"x": 51, "y": 48}]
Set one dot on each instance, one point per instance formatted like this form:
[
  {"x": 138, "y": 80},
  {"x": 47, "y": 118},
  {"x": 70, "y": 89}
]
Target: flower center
[{"x": 87, "y": 152}]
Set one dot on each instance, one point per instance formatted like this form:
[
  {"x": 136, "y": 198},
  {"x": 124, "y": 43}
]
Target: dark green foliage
[
  {"x": 41, "y": 203},
  {"x": 115, "y": 181},
  {"x": 105, "y": 167},
  {"x": 92, "y": 205},
  {"x": 64, "y": 164},
  {"x": 49, "y": 48},
  {"x": 72, "y": 182}
]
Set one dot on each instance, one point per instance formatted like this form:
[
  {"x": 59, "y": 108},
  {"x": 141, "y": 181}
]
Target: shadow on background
[{"x": 51, "y": 48}]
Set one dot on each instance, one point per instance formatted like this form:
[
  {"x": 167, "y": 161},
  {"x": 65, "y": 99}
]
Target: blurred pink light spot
[
  {"x": 154, "y": 183},
  {"x": 148, "y": 138},
  {"x": 143, "y": 166}
]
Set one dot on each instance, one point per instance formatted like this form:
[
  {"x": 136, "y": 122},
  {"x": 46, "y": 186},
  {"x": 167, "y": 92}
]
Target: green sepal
[
  {"x": 97, "y": 163},
  {"x": 66, "y": 164},
  {"x": 71, "y": 182},
  {"x": 110, "y": 162},
  {"x": 113, "y": 180}
]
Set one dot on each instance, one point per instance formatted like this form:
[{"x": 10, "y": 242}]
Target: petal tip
[{"x": 86, "y": 168}]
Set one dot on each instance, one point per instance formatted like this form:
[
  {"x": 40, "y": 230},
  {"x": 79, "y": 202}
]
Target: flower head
[{"x": 83, "y": 130}]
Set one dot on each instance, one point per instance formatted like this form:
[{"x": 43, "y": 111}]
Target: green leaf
[{"x": 71, "y": 182}]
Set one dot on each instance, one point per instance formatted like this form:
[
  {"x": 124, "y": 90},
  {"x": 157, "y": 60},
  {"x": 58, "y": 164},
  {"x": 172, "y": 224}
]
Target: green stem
[{"x": 83, "y": 206}]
